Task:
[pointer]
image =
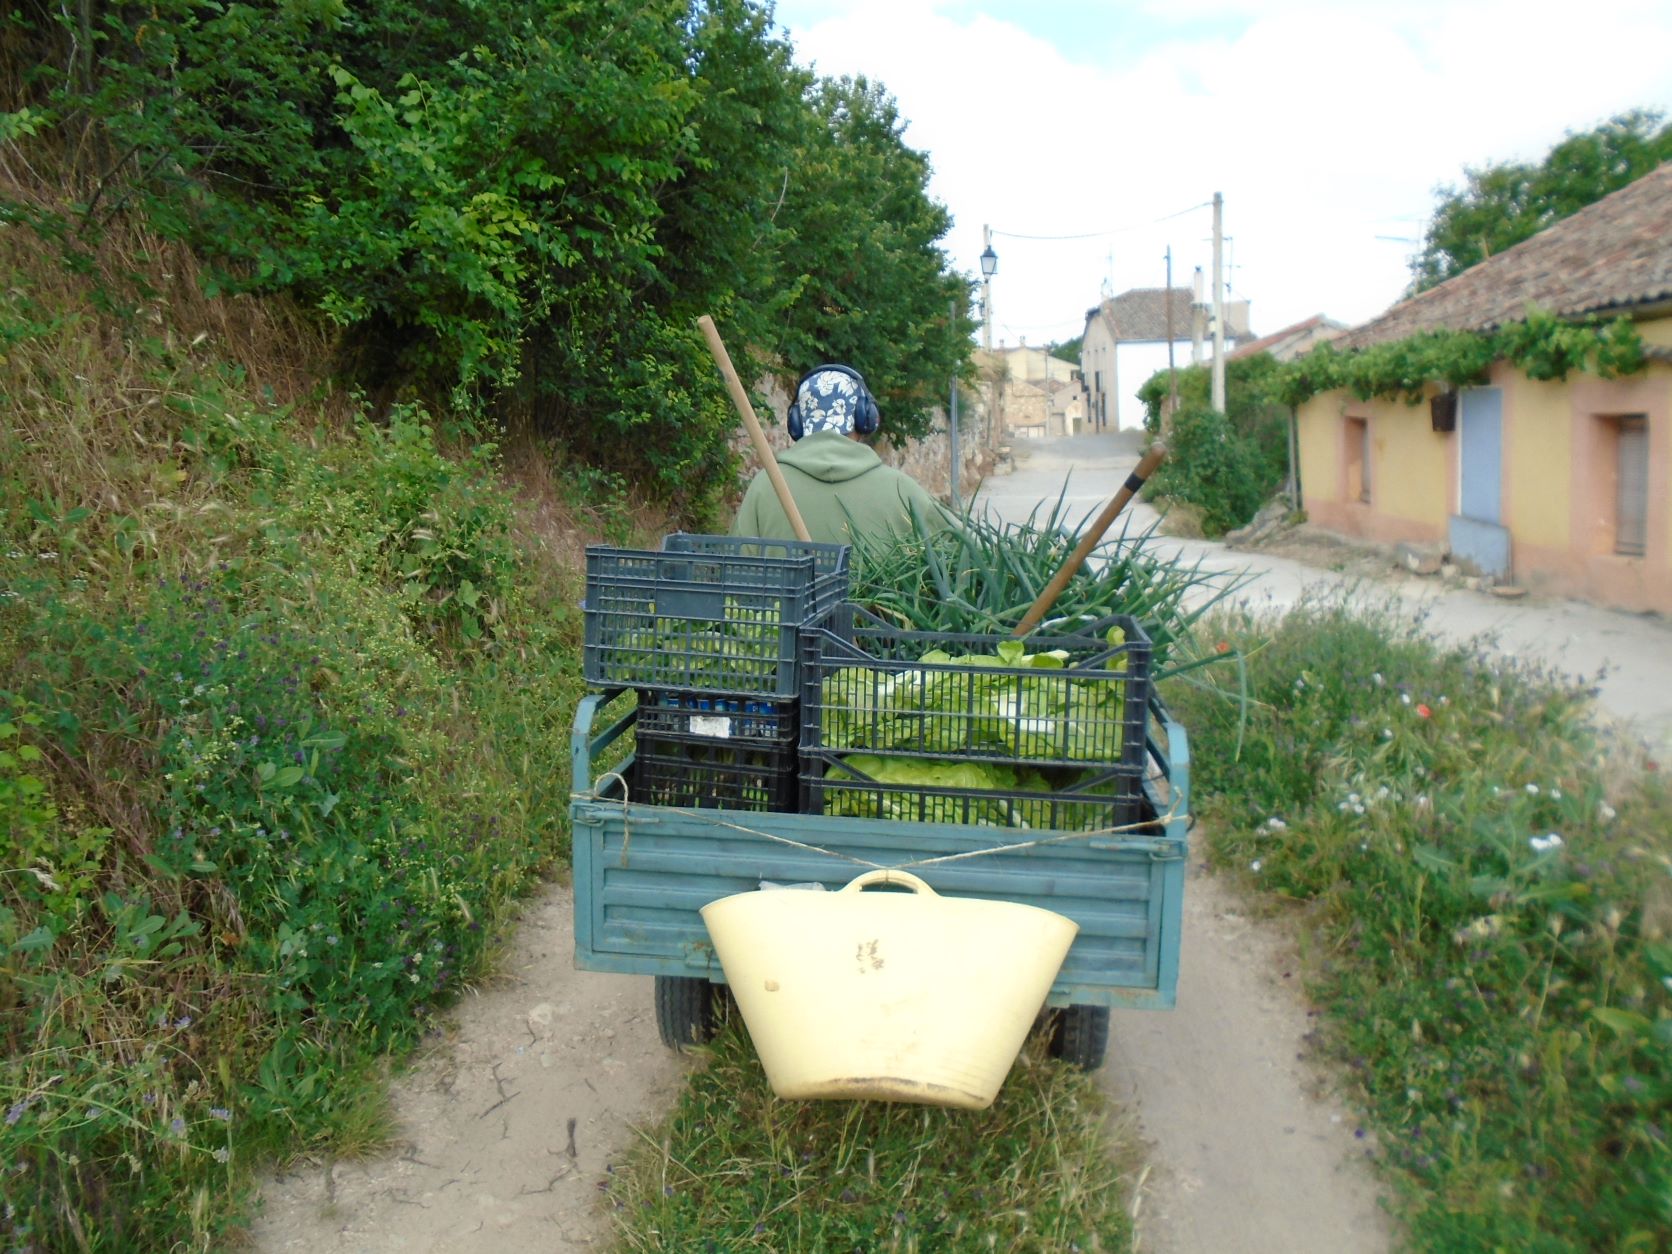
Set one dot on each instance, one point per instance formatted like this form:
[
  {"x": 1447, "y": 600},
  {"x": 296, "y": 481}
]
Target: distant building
[
  {"x": 1125, "y": 342},
  {"x": 1039, "y": 394},
  {"x": 1291, "y": 342}
]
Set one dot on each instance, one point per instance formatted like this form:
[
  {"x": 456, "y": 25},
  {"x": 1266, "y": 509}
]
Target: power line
[{"x": 1117, "y": 230}]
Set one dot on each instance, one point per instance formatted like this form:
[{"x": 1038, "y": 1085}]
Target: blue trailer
[{"x": 642, "y": 873}]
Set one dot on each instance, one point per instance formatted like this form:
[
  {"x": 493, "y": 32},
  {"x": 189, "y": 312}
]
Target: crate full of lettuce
[{"x": 933, "y": 727}]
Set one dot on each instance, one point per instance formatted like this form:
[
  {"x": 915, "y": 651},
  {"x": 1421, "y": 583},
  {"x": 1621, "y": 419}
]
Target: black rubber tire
[
  {"x": 1080, "y": 1036},
  {"x": 687, "y": 1011}
]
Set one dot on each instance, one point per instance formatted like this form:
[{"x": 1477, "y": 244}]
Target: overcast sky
[{"x": 1326, "y": 126}]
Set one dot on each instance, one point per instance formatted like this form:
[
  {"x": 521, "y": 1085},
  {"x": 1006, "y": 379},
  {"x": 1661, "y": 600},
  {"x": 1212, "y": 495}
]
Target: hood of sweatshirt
[{"x": 830, "y": 457}]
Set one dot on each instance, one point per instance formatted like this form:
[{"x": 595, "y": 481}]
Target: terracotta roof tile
[
  {"x": 1141, "y": 314},
  {"x": 1611, "y": 256}
]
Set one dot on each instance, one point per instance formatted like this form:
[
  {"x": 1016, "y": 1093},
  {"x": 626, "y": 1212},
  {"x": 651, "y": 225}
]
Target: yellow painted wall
[
  {"x": 1317, "y": 440},
  {"x": 1658, "y": 331},
  {"x": 1538, "y": 478},
  {"x": 1407, "y": 462},
  {"x": 1407, "y": 459}
]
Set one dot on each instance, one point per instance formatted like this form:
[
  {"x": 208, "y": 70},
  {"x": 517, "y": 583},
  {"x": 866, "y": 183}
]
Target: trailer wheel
[
  {"x": 687, "y": 1010},
  {"x": 1081, "y": 1036}
]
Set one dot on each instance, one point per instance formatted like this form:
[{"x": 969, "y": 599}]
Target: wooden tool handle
[
  {"x": 1088, "y": 542},
  {"x": 746, "y": 411}
]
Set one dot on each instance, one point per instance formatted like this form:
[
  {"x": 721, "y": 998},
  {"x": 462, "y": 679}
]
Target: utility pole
[
  {"x": 1219, "y": 302},
  {"x": 1197, "y": 321},
  {"x": 1172, "y": 370},
  {"x": 952, "y": 425}
]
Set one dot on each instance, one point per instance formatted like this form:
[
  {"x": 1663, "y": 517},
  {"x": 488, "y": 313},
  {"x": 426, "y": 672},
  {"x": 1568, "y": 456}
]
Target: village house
[
  {"x": 1039, "y": 394},
  {"x": 1127, "y": 338},
  {"x": 1291, "y": 341},
  {"x": 1559, "y": 485}
]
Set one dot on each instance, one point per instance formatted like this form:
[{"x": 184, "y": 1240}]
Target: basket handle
[{"x": 885, "y": 876}]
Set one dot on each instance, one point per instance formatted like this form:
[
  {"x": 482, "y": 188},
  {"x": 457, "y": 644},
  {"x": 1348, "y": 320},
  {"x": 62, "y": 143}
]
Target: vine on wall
[{"x": 1542, "y": 346}]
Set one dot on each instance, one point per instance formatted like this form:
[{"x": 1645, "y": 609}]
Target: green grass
[
  {"x": 734, "y": 1168},
  {"x": 1484, "y": 882}
]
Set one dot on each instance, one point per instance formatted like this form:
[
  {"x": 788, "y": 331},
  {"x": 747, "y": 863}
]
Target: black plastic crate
[
  {"x": 706, "y": 613},
  {"x": 722, "y": 718},
  {"x": 888, "y": 734},
  {"x": 697, "y": 772}
]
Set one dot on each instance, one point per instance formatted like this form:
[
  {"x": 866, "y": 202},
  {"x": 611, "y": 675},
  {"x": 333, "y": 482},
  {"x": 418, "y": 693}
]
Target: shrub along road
[{"x": 1249, "y": 1150}]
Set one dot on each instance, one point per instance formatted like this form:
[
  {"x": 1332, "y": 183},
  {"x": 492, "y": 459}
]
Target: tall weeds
[{"x": 1487, "y": 889}]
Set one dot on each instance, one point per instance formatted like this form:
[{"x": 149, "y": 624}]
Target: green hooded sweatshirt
[{"x": 833, "y": 478}]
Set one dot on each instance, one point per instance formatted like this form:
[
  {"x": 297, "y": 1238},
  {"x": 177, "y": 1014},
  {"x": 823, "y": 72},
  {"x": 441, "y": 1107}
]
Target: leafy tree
[
  {"x": 1502, "y": 204},
  {"x": 869, "y": 280},
  {"x": 512, "y": 207},
  {"x": 1068, "y": 350}
]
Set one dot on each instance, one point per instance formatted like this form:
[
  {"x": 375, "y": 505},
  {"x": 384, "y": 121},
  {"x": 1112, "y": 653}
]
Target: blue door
[
  {"x": 1482, "y": 420},
  {"x": 1477, "y": 536}
]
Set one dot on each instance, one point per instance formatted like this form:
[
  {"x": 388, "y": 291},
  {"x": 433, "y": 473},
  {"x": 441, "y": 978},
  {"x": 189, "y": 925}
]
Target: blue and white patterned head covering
[{"x": 828, "y": 401}]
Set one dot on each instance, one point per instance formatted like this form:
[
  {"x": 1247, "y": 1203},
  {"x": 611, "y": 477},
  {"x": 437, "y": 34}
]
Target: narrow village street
[{"x": 1249, "y": 1148}]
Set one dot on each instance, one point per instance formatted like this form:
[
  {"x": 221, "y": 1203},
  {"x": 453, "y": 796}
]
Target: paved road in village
[{"x": 1249, "y": 1150}]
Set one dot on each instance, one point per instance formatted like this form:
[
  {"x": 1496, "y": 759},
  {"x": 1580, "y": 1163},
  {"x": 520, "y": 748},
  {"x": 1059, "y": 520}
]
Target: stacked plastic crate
[{"x": 706, "y": 630}]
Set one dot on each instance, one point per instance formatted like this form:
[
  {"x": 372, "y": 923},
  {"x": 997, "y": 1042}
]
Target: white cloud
[{"x": 1323, "y": 125}]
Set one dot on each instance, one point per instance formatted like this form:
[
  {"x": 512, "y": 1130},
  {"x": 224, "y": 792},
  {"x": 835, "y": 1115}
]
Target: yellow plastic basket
[{"x": 888, "y": 996}]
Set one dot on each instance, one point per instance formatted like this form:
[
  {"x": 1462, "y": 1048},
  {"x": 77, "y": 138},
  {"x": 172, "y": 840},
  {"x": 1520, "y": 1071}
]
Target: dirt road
[{"x": 506, "y": 1125}]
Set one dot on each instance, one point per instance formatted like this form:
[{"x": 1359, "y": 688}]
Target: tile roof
[
  {"x": 1141, "y": 314},
  {"x": 1300, "y": 332},
  {"x": 1611, "y": 256}
]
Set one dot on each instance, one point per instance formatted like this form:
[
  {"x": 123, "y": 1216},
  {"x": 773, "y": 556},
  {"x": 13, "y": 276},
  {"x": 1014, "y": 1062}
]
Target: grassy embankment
[
  {"x": 283, "y": 712},
  {"x": 283, "y": 722},
  {"x": 1484, "y": 885}
]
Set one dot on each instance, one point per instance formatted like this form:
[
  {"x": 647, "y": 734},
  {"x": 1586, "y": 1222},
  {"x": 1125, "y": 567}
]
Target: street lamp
[{"x": 989, "y": 267}]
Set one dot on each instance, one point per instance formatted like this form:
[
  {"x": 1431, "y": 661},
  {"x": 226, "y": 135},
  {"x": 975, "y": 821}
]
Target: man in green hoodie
[{"x": 834, "y": 478}]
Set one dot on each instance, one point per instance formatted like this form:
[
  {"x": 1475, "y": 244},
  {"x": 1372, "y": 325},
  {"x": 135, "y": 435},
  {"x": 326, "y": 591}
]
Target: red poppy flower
[{"x": 1423, "y": 711}]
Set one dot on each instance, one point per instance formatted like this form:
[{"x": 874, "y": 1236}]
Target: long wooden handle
[
  {"x": 746, "y": 411},
  {"x": 1088, "y": 542}
]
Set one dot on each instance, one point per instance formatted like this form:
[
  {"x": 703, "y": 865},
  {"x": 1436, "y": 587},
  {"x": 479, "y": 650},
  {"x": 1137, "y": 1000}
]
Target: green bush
[
  {"x": 1209, "y": 465},
  {"x": 1486, "y": 890}
]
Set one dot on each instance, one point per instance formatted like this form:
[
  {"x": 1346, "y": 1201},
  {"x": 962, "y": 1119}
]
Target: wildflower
[
  {"x": 1606, "y": 812},
  {"x": 1544, "y": 844},
  {"x": 1276, "y": 824},
  {"x": 183, "y": 1022},
  {"x": 1358, "y": 809},
  {"x": 1532, "y": 790},
  {"x": 222, "y": 1154},
  {"x": 177, "y": 1125},
  {"x": 1486, "y": 926},
  {"x": 1376, "y": 678},
  {"x": 16, "y": 1113},
  {"x": 1387, "y": 733},
  {"x": 1555, "y": 794},
  {"x": 221, "y": 1113},
  {"x": 1404, "y": 698},
  {"x": 1255, "y": 866},
  {"x": 1423, "y": 711},
  {"x": 1222, "y": 647}
]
